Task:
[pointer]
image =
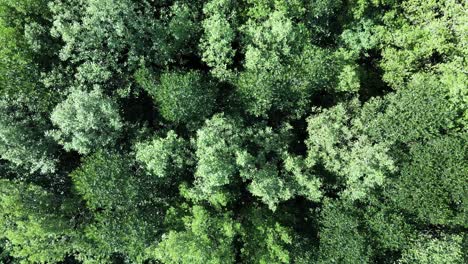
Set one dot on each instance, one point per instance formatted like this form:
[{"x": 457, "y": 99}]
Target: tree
[
  {"x": 125, "y": 219},
  {"x": 203, "y": 230},
  {"x": 22, "y": 141},
  {"x": 266, "y": 83},
  {"x": 264, "y": 239},
  {"x": 360, "y": 162},
  {"x": 119, "y": 235},
  {"x": 183, "y": 98},
  {"x": 423, "y": 37},
  {"x": 18, "y": 71},
  {"x": 164, "y": 157},
  {"x": 446, "y": 249},
  {"x": 32, "y": 221},
  {"x": 86, "y": 121},
  {"x": 273, "y": 174},
  {"x": 219, "y": 35},
  {"x": 387, "y": 227},
  {"x": 114, "y": 37},
  {"x": 222, "y": 131},
  {"x": 340, "y": 238},
  {"x": 286, "y": 60},
  {"x": 108, "y": 29},
  {"x": 106, "y": 181},
  {"x": 420, "y": 111},
  {"x": 431, "y": 182},
  {"x": 24, "y": 102},
  {"x": 216, "y": 145},
  {"x": 26, "y": 26},
  {"x": 183, "y": 29}
]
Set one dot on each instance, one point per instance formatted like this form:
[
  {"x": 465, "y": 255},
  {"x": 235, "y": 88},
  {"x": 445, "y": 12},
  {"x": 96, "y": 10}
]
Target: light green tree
[
  {"x": 265, "y": 240},
  {"x": 202, "y": 230},
  {"x": 32, "y": 220},
  {"x": 216, "y": 145},
  {"x": 273, "y": 174},
  {"x": 424, "y": 37},
  {"x": 360, "y": 162},
  {"x": 164, "y": 157},
  {"x": 86, "y": 121},
  {"x": 218, "y": 37}
]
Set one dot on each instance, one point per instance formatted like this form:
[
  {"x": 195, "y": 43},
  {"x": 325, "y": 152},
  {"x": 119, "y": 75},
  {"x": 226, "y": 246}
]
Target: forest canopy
[{"x": 224, "y": 131}]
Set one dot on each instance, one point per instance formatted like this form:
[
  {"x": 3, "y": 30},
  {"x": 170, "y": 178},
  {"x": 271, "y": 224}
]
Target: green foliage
[
  {"x": 264, "y": 239},
  {"x": 275, "y": 175},
  {"x": 23, "y": 30},
  {"x": 272, "y": 85},
  {"x": 432, "y": 182},
  {"x": 22, "y": 141},
  {"x": 389, "y": 229},
  {"x": 127, "y": 233},
  {"x": 182, "y": 97},
  {"x": 224, "y": 160},
  {"x": 202, "y": 230},
  {"x": 306, "y": 182},
  {"x": 423, "y": 37},
  {"x": 266, "y": 82},
  {"x": 106, "y": 181},
  {"x": 124, "y": 221},
  {"x": 17, "y": 70},
  {"x": 164, "y": 157},
  {"x": 222, "y": 131},
  {"x": 421, "y": 110},
  {"x": 217, "y": 144},
  {"x": 31, "y": 219},
  {"x": 446, "y": 249},
  {"x": 86, "y": 121},
  {"x": 361, "y": 163},
  {"x": 183, "y": 28},
  {"x": 340, "y": 238},
  {"x": 219, "y": 35},
  {"x": 98, "y": 32},
  {"x": 282, "y": 66},
  {"x": 24, "y": 101}
]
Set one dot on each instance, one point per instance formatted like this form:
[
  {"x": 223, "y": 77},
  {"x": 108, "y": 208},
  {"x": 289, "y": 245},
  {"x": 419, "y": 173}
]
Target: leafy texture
[
  {"x": 31, "y": 219},
  {"x": 164, "y": 157},
  {"x": 202, "y": 230},
  {"x": 223, "y": 131},
  {"x": 182, "y": 97},
  {"x": 86, "y": 121}
]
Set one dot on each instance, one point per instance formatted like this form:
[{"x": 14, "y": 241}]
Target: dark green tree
[
  {"x": 431, "y": 182},
  {"x": 182, "y": 98},
  {"x": 341, "y": 240},
  {"x": 125, "y": 219},
  {"x": 446, "y": 249},
  {"x": 22, "y": 139}
]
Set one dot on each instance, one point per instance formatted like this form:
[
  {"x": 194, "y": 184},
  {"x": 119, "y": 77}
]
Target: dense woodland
[{"x": 233, "y": 131}]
